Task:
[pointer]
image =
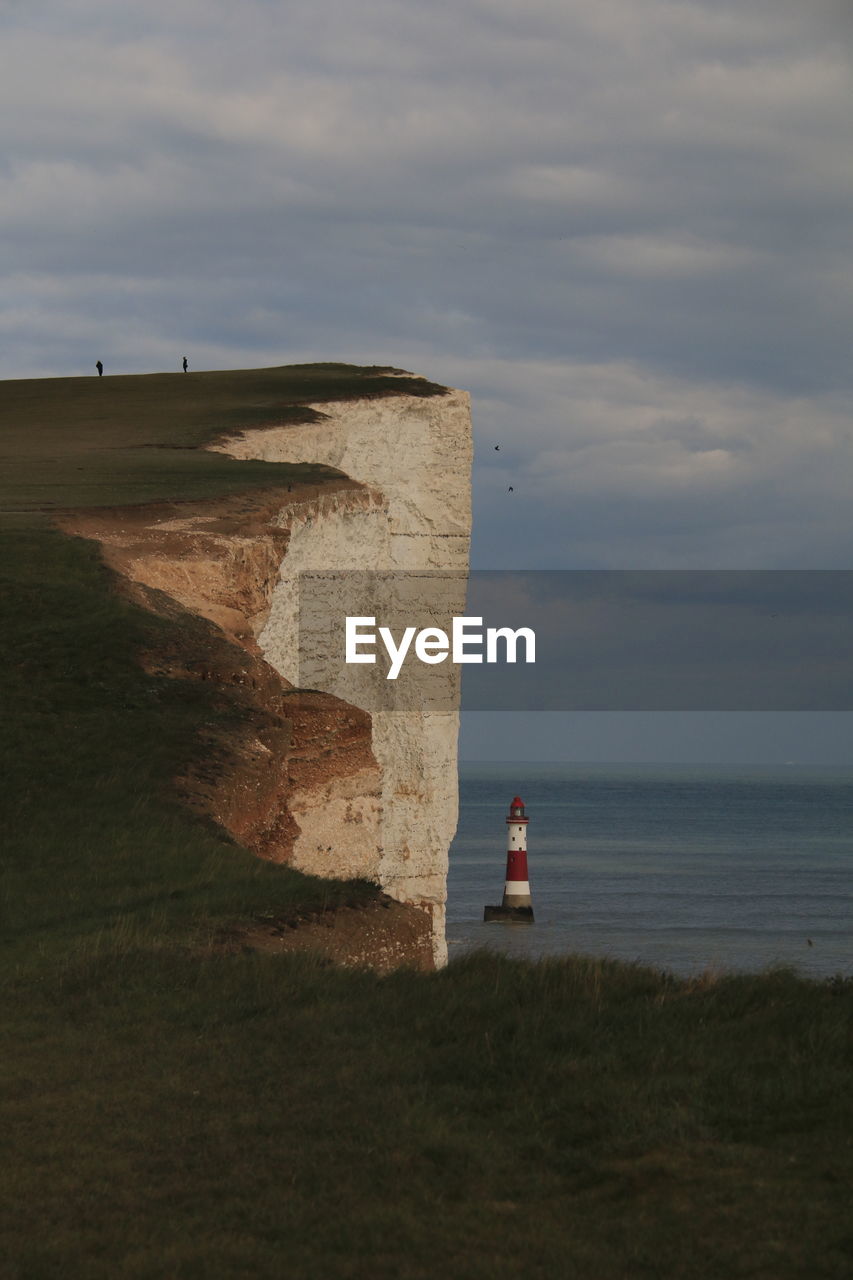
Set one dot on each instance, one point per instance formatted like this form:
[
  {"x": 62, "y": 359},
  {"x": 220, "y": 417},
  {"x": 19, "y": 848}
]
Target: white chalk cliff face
[{"x": 414, "y": 453}]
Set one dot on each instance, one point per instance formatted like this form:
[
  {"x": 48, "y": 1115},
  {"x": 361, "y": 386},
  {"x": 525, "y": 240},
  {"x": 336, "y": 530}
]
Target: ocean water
[{"x": 684, "y": 868}]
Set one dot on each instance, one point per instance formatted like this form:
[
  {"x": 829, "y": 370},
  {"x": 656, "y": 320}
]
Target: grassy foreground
[
  {"x": 168, "y": 1110},
  {"x": 187, "y": 1115}
]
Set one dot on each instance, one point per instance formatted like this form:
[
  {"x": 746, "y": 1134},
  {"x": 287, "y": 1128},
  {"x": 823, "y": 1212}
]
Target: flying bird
[
  {"x": 510, "y": 490},
  {"x": 497, "y": 448}
]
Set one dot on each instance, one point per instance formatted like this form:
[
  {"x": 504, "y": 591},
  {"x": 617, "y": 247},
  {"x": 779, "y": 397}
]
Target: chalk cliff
[
  {"x": 321, "y": 783},
  {"x": 414, "y": 454}
]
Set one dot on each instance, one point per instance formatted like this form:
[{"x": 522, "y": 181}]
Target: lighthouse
[{"x": 517, "y": 904}]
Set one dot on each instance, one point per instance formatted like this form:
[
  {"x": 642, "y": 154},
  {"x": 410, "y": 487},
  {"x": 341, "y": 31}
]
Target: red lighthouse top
[{"x": 516, "y": 810}]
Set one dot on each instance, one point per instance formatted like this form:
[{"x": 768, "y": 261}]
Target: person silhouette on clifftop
[
  {"x": 185, "y": 364},
  {"x": 100, "y": 368}
]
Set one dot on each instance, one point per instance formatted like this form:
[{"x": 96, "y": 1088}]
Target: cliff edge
[
  {"x": 326, "y": 786},
  {"x": 414, "y": 454}
]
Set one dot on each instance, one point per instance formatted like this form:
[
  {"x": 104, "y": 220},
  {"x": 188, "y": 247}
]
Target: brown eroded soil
[
  {"x": 218, "y": 557},
  {"x": 380, "y": 935}
]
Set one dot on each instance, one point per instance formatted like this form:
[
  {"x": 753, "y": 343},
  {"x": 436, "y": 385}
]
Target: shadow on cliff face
[
  {"x": 127, "y": 786},
  {"x": 269, "y": 738},
  {"x": 265, "y": 744},
  {"x": 142, "y": 754},
  {"x": 278, "y": 741},
  {"x": 208, "y": 569}
]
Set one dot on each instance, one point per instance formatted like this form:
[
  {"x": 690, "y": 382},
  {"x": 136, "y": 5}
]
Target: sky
[{"x": 624, "y": 226}]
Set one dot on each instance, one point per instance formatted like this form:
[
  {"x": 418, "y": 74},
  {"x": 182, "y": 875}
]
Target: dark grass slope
[{"x": 168, "y": 1110}]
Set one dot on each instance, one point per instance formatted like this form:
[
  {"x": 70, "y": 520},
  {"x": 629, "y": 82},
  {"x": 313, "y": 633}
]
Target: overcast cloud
[{"x": 625, "y": 226}]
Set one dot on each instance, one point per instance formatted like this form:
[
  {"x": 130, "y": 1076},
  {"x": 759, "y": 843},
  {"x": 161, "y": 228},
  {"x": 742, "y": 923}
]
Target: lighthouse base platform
[{"x": 522, "y": 915}]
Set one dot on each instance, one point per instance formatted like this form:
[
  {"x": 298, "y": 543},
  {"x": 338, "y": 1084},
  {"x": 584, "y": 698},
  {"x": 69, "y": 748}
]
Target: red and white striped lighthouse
[{"x": 517, "y": 903}]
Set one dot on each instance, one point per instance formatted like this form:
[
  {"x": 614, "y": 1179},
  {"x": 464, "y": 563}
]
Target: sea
[{"x": 685, "y": 868}]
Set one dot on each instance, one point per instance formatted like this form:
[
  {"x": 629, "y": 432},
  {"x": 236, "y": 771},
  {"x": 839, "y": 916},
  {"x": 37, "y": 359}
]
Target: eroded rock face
[
  {"x": 326, "y": 786},
  {"x": 414, "y": 454}
]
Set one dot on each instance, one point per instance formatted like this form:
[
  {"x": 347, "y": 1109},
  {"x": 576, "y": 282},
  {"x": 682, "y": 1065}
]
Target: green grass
[
  {"x": 168, "y": 1110},
  {"x": 190, "y": 1116}
]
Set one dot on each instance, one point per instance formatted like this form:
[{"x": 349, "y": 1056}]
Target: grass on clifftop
[
  {"x": 82, "y": 442},
  {"x": 170, "y": 1111}
]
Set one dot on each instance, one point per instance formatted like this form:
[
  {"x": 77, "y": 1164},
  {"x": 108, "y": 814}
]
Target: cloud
[
  {"x": 650, "y": 256},
  {"x": 625, "y": 227},
  {"x": 616, "y": 467}
]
